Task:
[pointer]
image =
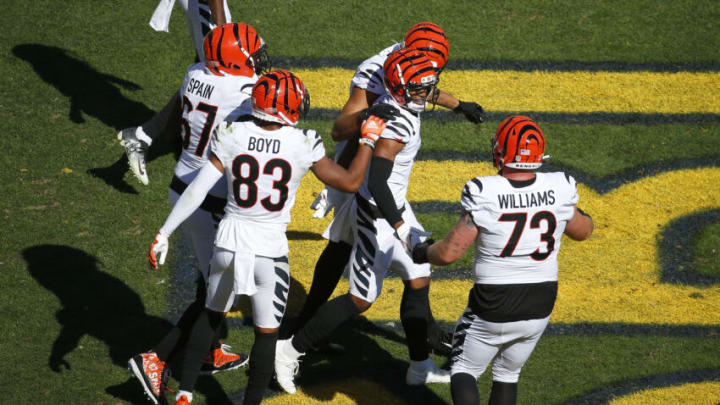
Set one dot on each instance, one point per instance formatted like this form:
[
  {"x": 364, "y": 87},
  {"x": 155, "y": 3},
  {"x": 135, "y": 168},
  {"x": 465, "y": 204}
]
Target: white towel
[
  {"x": 160, "y": 20},
  {"x": 244, "y": 268}
]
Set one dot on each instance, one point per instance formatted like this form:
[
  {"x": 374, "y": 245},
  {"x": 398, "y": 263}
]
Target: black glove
[
  {"x": 472, "y": 111},
  {"x": 419, "y": 252},
  {"x": 385, "y": 112}
]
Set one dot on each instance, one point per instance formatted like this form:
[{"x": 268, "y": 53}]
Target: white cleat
[
  {"x": 426, "y": 372},
  {"x": 286, "y": 368},
  {"x": 135, "y": 150}
]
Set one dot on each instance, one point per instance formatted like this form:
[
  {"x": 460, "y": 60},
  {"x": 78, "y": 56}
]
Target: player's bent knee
[{"x": 360, "y": 303}]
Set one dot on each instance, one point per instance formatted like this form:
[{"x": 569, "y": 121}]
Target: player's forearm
[
  {"x": 358, "y": 166},
  {"x": 380, "y": 169},
  {"x": 346, "y": 126},
  {"x": 217, "y": 10},
  {"x": 446, "y": 100},
  {"x": 191, "y": 198},
  {"x": 348, "y": 153}
]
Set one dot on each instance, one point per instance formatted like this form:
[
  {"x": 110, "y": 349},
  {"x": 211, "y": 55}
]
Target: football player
[
  {"x": 382, "y": 223},
  {"x": 263, "y": 159},
  {"x": 365, "y": 88},
  {"x": 202, "y": 16},
  {"x": 515, "y": 220},
  {"x": 212, "y": 92}
]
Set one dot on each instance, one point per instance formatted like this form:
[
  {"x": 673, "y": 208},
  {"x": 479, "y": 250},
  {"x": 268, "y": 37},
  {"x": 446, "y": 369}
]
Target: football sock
[
  {"x": 503, "y": 393},
  {"x": 178, "y": 335},
  {"x": 329, "y": 316},
  {"x": 328, "y": 270},
  {"x": 463, "y": 389},
  {"x": 156, "y": 125},
  {"x": 197, "y": 346},
  {"x": 413, "y": 315},
  {"x": 262, "y": 361}
]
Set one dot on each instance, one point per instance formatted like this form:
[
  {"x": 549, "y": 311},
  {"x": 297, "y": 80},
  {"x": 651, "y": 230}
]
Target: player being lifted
[
  {"x": 202, "y": 17},
  {"x": 515, "y": 220},
  {"x": 212, "y": 92},
  {"x": 365, "y": 88},
  {"x": 382, "y": 222},
  {"x": 263, "y": 159}
]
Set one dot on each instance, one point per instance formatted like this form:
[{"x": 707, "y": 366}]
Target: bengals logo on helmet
[
  {"x": 409, "y": 78},
  {"x": 236, "y": 49},
  {"x": 518, "y": 143},
  {"x": 280, "y": 96},
  {"x": 430, "y": 39}
]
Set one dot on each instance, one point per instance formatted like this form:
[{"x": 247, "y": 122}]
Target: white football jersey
[
  {"x": 263, "y": 170},
  {"x": 520, "y": 226},
  {"x": 208, "y": 100},
  {"x": 369, "y": 74},
  {"x": 405, "y": 129}
]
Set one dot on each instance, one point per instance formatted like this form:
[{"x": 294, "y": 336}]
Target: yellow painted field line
[
  {"x": 559, "y": 92},
  {"x": 614, "y": 277}
]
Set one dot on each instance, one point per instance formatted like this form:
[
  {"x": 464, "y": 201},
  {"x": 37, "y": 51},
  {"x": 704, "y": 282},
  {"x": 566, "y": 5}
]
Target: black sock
[
  {"x": 262, "y": 361},
  {"x": 328, "y": 270},
  {"x": 176, "y": 339},
  {"x": 329, "y": 316},
  {"x": 464, "y": 391},
  {"x": 197, "y": 346},
  {"x": 503, "y": 393},
  {"x": 413, "y": 314}
]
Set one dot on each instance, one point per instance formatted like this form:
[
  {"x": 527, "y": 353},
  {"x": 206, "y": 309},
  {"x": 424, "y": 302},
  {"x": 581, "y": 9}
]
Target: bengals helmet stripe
[
  {"x": 408, "y": 70},
  {"x": 431, "y": 40},
  {"x": 518, "y": 143},
  {"x": 280, "y": 96},
  {"x": 236, "y": 49}
]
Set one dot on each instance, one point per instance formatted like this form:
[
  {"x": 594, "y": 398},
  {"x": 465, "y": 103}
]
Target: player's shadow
[
  {"x": 94, "y": 94},
  {"x": 97, "y": 304}
]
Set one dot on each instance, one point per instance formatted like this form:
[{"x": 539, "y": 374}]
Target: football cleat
[
  {"x": 426, "y": 372},
  {"x": 135, "y": 150},
  {"x": 220, "y": 359},
  {"x": 286, "y": 368},
  {"x": 152, "y": 374},
  {"x": 440, "y": 343}
]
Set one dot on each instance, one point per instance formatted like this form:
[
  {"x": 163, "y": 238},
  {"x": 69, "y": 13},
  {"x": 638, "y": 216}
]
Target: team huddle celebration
[
  {"x": 409, "y": 267},
  {"x": 236, "y": 180}
]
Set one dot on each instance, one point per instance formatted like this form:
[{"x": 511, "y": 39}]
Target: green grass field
[{"x": 627, "y": 93}]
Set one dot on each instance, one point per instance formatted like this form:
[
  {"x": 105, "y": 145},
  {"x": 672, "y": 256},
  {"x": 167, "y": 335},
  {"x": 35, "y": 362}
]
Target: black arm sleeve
[{"x": 380, "y": 169}]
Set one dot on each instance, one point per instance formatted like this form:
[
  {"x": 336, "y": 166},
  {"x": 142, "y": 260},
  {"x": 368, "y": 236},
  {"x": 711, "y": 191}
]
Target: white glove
[
  {"x": 410, "y": 236},
  {"x": 321, "y": 205},
  {"x": 158, "y": 249}
]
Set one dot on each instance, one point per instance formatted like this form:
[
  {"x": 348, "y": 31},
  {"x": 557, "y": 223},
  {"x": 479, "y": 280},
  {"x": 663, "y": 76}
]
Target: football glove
[
  {"x": 321, "y": 205},
  {"x": 472, "y": 111},
  {"x": 410, "y": 236},
  {"x": 158, "y": 251},
  {"x": 371, "y": 130},
  {"x": 385, "y": 112}
]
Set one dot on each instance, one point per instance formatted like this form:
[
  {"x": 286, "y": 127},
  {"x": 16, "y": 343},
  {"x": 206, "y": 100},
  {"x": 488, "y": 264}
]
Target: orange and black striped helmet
[
  {"x": 431, "y": 40},
  {"x": 518, "y": 143},
  {"x": 236, "y": 49},
  {"x": 407, "y": 71},
  {"x": 280, "y": 96}
]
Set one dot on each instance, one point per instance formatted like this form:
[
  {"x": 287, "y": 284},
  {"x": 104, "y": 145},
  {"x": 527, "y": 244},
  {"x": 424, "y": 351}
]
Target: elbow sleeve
[{"x": 380, "y": 169}]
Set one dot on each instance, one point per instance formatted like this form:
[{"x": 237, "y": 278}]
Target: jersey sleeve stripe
[
  {"x": 478, "y": 183},
  {"x": 318, "y": 142}
]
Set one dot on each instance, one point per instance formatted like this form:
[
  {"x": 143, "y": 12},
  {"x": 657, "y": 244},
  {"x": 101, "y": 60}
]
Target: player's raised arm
[{"x": 351, "y": 179}]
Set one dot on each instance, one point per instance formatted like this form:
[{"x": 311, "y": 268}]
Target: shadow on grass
[
  {"x": 97, "y": 304},
  {"x": 95, "y": 94}
]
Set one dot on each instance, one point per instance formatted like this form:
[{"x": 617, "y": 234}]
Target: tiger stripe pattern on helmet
[
  {"x": 236, "y": 49},
  {"x": 406, "y": 70},
  {"x": 518, "y": 143},
  {"x": 431, "y": 40},
  {"x": 281, "y": 97}
]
